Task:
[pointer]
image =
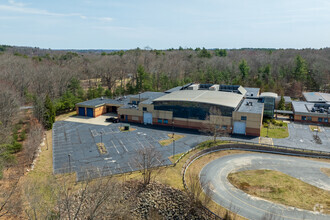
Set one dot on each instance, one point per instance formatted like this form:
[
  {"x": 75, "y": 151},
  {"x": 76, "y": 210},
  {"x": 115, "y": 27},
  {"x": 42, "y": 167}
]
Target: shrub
[
  {"x": 8, "y": 157},
  {"x": 23, "y": 135},
  {"x": 14, "y": 147}
]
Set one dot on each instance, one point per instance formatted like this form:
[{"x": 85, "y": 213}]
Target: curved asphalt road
[{"x": 225, "y": 194}]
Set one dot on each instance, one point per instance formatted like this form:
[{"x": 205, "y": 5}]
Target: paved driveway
[
  {"x": 75, "y": 149},
  {"x": 252, "y": 207},
  {"x": 300, "y": 136}
]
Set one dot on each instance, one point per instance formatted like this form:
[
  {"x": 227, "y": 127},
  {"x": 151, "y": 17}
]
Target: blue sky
[{"x": 126, "y": 24}]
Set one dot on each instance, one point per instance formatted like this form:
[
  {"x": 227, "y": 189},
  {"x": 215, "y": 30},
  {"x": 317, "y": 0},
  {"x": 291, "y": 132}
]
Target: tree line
[{"x": 33, "y": 74}]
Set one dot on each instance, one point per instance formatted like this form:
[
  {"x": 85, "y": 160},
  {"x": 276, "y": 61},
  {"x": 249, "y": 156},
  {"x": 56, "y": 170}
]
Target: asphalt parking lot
[
  {"x": 301, "y": 136},
  {"x": 75, "y": 149}
]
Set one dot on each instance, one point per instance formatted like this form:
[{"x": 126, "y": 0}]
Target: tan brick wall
[
  {"x": 253, "y": 120},
  {"x": 315, "y": 119},
  {"x": 99, "y": 111},
  {"x": 253, "y": 131}
]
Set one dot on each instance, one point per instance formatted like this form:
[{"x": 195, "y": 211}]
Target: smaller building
[
  {"x": 100, "y": 106},
  {"x": 311, "y": 112},
  {"x": 248, "y": 117}
]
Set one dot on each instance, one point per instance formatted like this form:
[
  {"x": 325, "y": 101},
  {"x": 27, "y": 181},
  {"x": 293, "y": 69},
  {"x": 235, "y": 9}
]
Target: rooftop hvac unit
[
  {"x": 321, "y": 110},
  {"x": 313, "y": 109}
]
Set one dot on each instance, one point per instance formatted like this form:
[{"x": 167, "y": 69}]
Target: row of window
[
  {"x": 309, "y": 118},
  {"x": 162, "y": 121},
  {"x": 191, "y": 110}
]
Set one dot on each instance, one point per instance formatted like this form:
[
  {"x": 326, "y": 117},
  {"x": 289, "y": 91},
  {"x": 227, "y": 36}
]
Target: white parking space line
[
  {"x": 123, "y": 145},
  {"x": 159, "y": 161},
  {"x": 115, "y": 146},
  {"x": 129, "y": 166},
  {"x": 140, "y": 143}
]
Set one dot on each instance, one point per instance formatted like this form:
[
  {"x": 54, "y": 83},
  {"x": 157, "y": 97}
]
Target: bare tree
[
  {"x": 33, "y": 140},
  {"x": 200, "y": 190},
  {"x": 101, "y": 198},
  {"x": 148, "y": 159},
  {"x": 216, "y": 125}
]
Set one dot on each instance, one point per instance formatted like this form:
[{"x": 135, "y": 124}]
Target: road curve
[{"x": 228, "y": 196}]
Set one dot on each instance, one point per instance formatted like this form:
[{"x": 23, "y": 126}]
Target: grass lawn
[
  {"x": 281, "y": 188},
  {"x": 170, "y": 140},
  {"x": 275, "y": 132}
]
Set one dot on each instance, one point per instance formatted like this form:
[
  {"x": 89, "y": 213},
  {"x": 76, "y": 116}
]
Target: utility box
[{"x": 126, "y": 127}]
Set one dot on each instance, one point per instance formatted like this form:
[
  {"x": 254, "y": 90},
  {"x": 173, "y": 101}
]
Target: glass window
[
  {"x": 144, "y": 109},
  {"x": 326, "y": 120},
  {"x": 122, "y": 116},
  {"x": 224, "y": 127},
  {"x": 303, "y": 118},
  {"x": 309, "y": 118},
  {"x": 191, "y": 110},
  {"x": 243, "y": 118},
  {"x": 165, "y": 121},
  {"x": 160, "y": 120},
  {"x": 134, "y": 102},
  {"x": 320, "y": 119}
]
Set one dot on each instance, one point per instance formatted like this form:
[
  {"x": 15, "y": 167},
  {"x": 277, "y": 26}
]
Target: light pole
[
  {"x": 173, "y": 147},
  {"x": 69, "y": 155},
  {"x": 139, "y": 97}
]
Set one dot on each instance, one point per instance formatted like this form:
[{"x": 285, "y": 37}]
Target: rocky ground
[{"x": 157, "y": 201}]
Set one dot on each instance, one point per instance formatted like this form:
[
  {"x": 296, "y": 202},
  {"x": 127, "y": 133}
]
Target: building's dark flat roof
[
  {"x": 306, "y": 107},
  {"x": 287, "y": 99},
  {"x": 251, "y": 92},
  {"x": 283, "y": 111},
  {"x": 148, "y": 95},
  {"x": 174, "y": 89},
  {"x": 316, "y": 96},
  {"x": 256, "y": 107},
  {"x": 99, "y": 102}
]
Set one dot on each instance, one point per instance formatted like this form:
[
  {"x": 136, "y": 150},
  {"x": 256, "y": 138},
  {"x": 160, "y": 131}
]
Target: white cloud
[
  {"x": 17, "y": 7},
  {"x": 18, "y": 4},
  {"x": 105, "y": 19}
]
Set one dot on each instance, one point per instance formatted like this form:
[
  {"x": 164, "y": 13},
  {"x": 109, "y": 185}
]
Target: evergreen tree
[
  {"x": 301, "y": 71},
  {"x": 49, "y": 114},
  {"x": 244, "y": 69},
  {"x": 281, "y": 104},
  {"x": 204, "y": 53}
]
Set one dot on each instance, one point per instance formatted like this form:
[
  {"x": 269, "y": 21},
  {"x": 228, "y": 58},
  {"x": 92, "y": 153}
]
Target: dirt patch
[{"x": 326, "y": 171}]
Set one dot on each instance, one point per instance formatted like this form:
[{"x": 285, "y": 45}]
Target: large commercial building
[{"x": 238, "y": 110}]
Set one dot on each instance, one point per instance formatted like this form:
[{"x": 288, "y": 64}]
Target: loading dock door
[
  {"x": 239, "y": 127},
  {"x": 147, "y": 118},
  {"x": 81, "y": 111},
  {"x": 90, "y": 112}
]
